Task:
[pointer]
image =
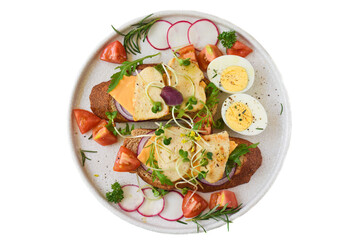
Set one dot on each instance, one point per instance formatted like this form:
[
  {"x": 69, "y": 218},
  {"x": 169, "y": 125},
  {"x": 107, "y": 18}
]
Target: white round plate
[{"x": 268, "y": 89}]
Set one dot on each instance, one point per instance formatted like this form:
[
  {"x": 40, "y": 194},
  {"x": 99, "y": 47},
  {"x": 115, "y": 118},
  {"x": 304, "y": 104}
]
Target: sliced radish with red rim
[
  {"x": 152, "y": 205},
  {"x": 157, "y": 35},
  {"x": 177, "y": 35},
  {"x": 172, "y": 210},
  {"x": 203, "y": 32},
  {"x": 133, "y": 198}
]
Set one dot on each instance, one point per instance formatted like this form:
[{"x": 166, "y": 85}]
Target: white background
[{"x": 44, "y": 45}]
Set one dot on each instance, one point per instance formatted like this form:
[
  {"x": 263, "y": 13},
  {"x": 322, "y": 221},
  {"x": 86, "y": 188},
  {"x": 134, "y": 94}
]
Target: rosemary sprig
[
  {"x": 218, "y": 215},
  {"x": 84, "y": 157},
  {"x": 139, "y": 30},
  {"x": 127, "y": 68}
]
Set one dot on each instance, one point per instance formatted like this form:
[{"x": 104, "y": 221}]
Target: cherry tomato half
[
  {"x": 239, "y": 49},
  {"x": 114, "y": 53},
  {"x": 193, "y": 204},
  {"x": 209, "y": 53},
  {"x": 85, "y": 120},
  {"x": 222, "y": 198},
  {"x": 126, "y": 161},
  {"x": 102, "y": 135}
]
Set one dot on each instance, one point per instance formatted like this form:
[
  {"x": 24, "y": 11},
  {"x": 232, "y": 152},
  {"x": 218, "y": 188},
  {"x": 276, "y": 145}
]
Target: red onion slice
[
  {"x": 222, "y": 181},
  {"x": 124, "y": 112},
  {"x": 142, "y": 143}
]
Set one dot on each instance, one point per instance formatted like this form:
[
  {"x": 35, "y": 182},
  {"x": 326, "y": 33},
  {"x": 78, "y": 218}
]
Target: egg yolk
[
  {"x": 239, "y": 116},
  {"x": 234, "y": 78}
]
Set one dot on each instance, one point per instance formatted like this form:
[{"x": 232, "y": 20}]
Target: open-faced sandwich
[{"x": 183, "y": 154}]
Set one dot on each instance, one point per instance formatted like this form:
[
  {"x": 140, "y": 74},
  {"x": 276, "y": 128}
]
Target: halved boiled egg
[
  {"x": 231, "y": 73},
  {"x": 244, "y": 114}
]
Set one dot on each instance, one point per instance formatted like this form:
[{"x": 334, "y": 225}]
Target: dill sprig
[
  {"x": 218, "y": 215},
  {"x": 139, "y": 30}
]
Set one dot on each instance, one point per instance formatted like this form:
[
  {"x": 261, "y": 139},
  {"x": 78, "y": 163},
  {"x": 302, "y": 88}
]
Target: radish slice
[
  {"x": 203, "y": 32},
  {"x": 156, "y": 36},
  {"x": 133, "y": 198},
  {"x": 172, "y": 210},
  {"x": 177, "y": 35},
  {"x": 152, "y": 206}
]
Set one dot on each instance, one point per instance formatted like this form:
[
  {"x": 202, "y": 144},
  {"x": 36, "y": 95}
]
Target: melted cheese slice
[
  {"x": 168, "y": 157},
  {"x": 141, "y": 103},
  {"x": 188, "y": 76},
  {"x": 219, "y": 146},
  {"x": 123, "y": 93}
]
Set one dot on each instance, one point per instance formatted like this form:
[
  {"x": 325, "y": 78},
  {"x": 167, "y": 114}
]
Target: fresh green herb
[
  {"x": 215, "y": 73},
  {"x": 204, "y": 162},
  {"x": 281, "y": 109},
  {"x": 202, "y": 175},
  {"x": 259, "y": 129},
  {"x": 116, "y": 195},
  {"x": 90, "y": 137},
  {"x": 157, "y": 107},
  {"x": 126, "y": 68},
  {"x": 167, "y": 141},
  {"x": 234, "y": 157},
  {"x": 219, "y": 124},
  {"x": 159, "y": 131},
  {"x": 139, "y": 30},
  {"x": 159, "y": 68},
  {"x": 205, "y": 115},
  {"x": 156, "y": 172},
  {"x": 126, "y": 130},
  {"x": 184, "y": 190},
  {"x": 179, "y": 221},
  {"x": 84, "y": 157},
  {"x": 182, "y": 62},
  {"x": 158, "y": 192},
  {"x": 227, "y": 38},
  {"x": 191, "y": 101},
  {"x": 218, "y": 215},
  {"x": 209, "y": 155},
  {"x": 111, "y": 125},
  {"x": 184, "y": 155}
]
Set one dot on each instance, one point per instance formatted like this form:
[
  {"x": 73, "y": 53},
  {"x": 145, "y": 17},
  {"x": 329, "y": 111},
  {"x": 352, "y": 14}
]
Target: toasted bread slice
[
  {"x": 102, "y": 102},
  {"x": 250, "y": 163}
]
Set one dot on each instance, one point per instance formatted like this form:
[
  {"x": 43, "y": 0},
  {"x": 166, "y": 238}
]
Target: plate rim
[{"x": 285, "y": 139}]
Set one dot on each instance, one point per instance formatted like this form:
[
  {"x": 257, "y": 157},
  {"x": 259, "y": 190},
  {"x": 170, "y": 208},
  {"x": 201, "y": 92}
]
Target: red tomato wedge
[
  {"x": 188, "y": 52},
  {"x": 193, "y": 205},
  {"x": 239, "y": 49},
  {"x": 114, "y": 53},
  {"x": 209, "y": 53},
  {"x": 85, "y": 120},
  {"x": 222, "y": 198},
  {"x": 126, "y": 161},
  {"x": 102, "y": 135}
]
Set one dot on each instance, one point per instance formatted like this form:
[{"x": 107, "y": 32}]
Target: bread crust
[
  {"x": 101, "y": 101},
  {"x": 250, "y": 163}
]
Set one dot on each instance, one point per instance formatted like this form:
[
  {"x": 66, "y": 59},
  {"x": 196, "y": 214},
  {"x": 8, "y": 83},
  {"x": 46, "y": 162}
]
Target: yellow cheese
[
  {"x": 232, "y": 146},
  {"x": 123, "y": 93},
  {"x": 145, "y": 153}
]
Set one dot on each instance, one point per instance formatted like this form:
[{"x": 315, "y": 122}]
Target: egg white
[
  {"x": 259, "y": 122},
  {"x": 218, "y": 65}
]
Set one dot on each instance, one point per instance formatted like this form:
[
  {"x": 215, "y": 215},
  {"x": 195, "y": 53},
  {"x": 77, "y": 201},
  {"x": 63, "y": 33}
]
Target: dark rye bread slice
[
  {"x": 102, "y": 102},
  {"x": 250, "y": 163}
]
